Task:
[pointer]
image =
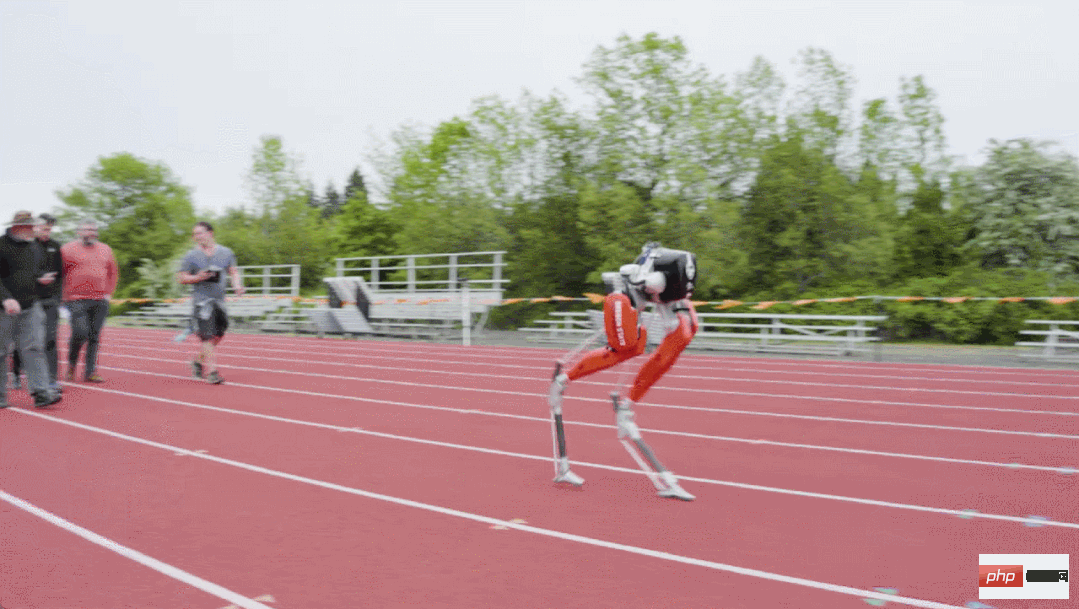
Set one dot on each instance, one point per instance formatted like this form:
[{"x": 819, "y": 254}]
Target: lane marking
[
  {"x": 491, "y": 451},
  {"x": 1049, "y": 468},
  {"x": 717, "y": 566},
  {"x": 392, "y": 355},
  {"x": 669, "y": 375},
  {"x": 550, "y": 354},
  {"x": 134, "y": 555},
  {"x": 860, "y": 402},
  {"x": 1037, "y": 434}
]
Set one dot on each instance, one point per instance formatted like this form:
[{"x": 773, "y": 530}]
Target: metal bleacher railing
[
  {"x": 272, "y": 279},
  {"x": 762, "y": 332},
  {"x": 413, "y": 295},
  {"x": 268, "y": 290}
]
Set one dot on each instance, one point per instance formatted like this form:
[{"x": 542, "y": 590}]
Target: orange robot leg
[
  {"x": 625, "y": 339},
  {"x": 666, "y": 355}
]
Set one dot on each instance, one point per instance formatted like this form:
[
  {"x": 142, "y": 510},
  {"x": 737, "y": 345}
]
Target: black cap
[{"x": 48, "y": 219}]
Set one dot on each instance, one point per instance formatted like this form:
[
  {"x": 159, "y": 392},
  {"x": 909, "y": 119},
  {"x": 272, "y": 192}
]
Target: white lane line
[
  {"x": 1063, "y": 469},
  {"x": 147, "y": 561},
  {"x": 1025, "y": 411},
  {"x": 548, "y": 355},
  {"x": 1036, "y": 434},
  {"x": 682, "y": 367},
  {"x": 668, "y": 556},
  {"x": 741, "y": 485}
]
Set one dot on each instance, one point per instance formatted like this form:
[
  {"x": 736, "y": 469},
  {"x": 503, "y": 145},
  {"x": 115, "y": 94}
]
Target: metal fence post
[{"x": 466, "y": 315}]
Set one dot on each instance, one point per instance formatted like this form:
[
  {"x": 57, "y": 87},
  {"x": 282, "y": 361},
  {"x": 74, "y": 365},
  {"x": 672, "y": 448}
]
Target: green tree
[
  {"x": 615, "y": 222},
  {"x": 143, "y": 210},
  {"x": 820, "y": 109},
  {"x": 331, "y": 202},
  {"x": 928, "y": 243},
  {"x": 281, "y": 227},
  {"x": 878, "y": 139},
  {"x": 1024, "y": 208},
  {"x": 547, "y": 251},
  {"x": 362, "y": 229},
  {"x": 439, "y": 203},
  {"x": 801, "y": 226},
  {"x": 663, "y": 126},
  {"x": 355, "y": 186},
  {"x": 275, "y": 176},
  {"x": 921, "y": 131}
]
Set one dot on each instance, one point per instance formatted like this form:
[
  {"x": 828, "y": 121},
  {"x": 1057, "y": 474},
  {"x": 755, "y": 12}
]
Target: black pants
[{"x": 87, "y": 320}]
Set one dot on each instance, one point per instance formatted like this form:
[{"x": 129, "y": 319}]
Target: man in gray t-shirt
[{"x": 204, "y": 268}]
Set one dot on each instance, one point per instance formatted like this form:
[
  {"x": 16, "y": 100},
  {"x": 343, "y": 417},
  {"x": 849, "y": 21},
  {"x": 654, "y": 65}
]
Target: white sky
[{"x": 196, "y": 84}]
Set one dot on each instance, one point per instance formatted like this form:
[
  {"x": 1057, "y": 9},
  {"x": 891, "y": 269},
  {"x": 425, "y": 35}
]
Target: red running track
[{"x": 332, "y": 473}]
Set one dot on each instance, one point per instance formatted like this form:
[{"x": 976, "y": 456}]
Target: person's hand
[
  {"x": 11, "y": 307},
  {"x": 47, "y": 278}
]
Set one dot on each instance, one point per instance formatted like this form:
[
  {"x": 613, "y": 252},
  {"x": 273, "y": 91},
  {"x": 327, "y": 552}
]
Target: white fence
[
  {"x": 426, "y": 272},
  {"x": 1059, "y": 339},
  {"x": 765, "y": 332},
  {"x": 271, "y": 279}
]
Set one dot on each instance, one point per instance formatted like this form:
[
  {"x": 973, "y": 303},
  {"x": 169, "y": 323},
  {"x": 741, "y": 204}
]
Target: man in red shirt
[{"x": 90, "y": 276}]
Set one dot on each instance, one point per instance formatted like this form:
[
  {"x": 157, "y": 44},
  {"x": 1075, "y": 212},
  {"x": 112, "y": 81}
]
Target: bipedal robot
[{"x": 665, "y": 278}]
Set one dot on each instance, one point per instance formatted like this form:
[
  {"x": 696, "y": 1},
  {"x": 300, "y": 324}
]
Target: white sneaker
[
  {"x": 569, "y": 477},
  {"x": 673, "y": 490},
  {"x": 565, "y": 475}
]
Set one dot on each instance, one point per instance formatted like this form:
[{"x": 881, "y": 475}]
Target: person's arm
[
  {"x": 11, "y": 306},
  {"x": 44, "y": 274},
  {"x": 112, "y": 274},
  {"x": 188, "y": 274},
  {"x": 237, "y": 283},
  {"x": 58, "y": 266},
  {"x": 187, "y": 278}
]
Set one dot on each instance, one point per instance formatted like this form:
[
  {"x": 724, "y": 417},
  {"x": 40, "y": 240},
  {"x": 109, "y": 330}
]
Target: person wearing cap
[
  {"x": 22, "y": 270},
  {"x": 49, "y": 297},
  {"x": 90, "y": 277}
]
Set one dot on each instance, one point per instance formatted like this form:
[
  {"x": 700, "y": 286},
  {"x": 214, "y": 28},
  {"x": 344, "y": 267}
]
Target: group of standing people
[{"x": 37, "y": 277}]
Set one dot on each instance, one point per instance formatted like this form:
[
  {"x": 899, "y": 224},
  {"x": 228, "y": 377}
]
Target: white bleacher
[{"x": 412, "y": 306}]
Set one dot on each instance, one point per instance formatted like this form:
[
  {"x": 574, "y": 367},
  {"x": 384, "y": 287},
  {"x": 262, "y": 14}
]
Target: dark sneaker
[
  {"x": 3, "y": 405},
  {"x": 45, "y": 398},
  {"x": 196, "y": 368},
  {"x": 215, "y": 378},
  {"x": 94, "y": 378}
]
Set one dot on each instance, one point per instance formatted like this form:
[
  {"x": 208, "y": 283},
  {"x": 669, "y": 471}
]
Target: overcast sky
[{"x": 196, "y": 84}]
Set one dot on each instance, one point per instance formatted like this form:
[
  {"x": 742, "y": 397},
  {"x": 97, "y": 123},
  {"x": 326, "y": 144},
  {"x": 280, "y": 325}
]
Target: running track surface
[{"x": 332, "y": 474}]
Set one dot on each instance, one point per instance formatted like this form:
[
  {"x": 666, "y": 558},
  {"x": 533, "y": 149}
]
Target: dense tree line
[{"x": 784, "y": 190}]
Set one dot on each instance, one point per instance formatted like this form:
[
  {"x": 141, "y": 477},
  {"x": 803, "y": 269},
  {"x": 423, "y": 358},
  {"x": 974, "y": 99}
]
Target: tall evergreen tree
[
  {"x": 355, "y": 186},
  {"x": 331, "y": 202}
]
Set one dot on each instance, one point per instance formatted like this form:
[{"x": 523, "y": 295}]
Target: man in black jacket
[
  {"x": 49, "y": 296},
  {"x": 21, "y": 272}
]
